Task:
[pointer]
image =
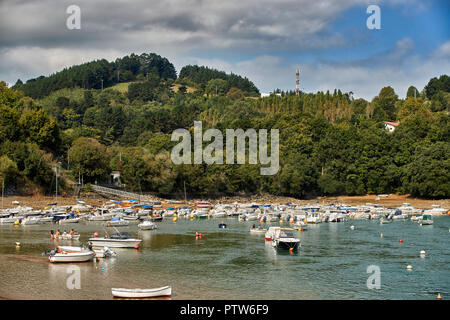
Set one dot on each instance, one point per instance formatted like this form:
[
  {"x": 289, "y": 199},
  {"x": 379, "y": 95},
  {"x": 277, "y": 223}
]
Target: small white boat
[
  {"x": 71, "y": 254},
  {"x": 102, "y": 217},
  {"x": 299, "y": 224},
  {"x": 105, "y": 252},
  {"x": 130, "y": 218},
  {"x": 118, "y": 240},
  {"x": 30, "y": 220},
  {"x": 258, "y": 230},
  {"x": 142, "y": 293},
  {"x": 45, "y": 220},
  {"x": 426, "y": 220},
  {"x": 220, "y": 214},
  {"x": 69, "y": 220},
  {"x": 69, "y": 236},
  {"x": 270, "y": 233},
  {"x": 147, "y": 225},
  {"x": 313, "y": 218},
  {"x": 117, "y": 223},
  {"x": 9, "y": 220}
]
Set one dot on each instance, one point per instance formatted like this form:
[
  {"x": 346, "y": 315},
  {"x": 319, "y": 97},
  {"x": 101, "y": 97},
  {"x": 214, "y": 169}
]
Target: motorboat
[
  {"x": 118, "y": 240},
  {"x": 30, "y": 220},
  {"x": 251, "y": 217},
  {"x": 142, "y": 293},
  {"x": 203, "y": 204},
  {"x": 70, "y": 254},
  {"x": 69, "y": 220},
  {"x": 385, "y": 220},
  {"x": 398, "y": 214},
  {"x": 270, "y": 233},
  {"x": 300, "y": 224},
  {"x": 219, "y": 214},
  {"x": 437, "y": 210},
  {"x": 147, "y": 225},
  {"x": 68, "y": 236},
  {"x": 103, "y": 216},
  {"x": 117, "y": 222},
  {"x": 45, "y": 220},
  {"x": 258, "y": 230},
  {"x": 156, "y": 217},
  {"x": 284, "y": 238},
  {"x": 9, "y": 220},
  {"x": 313, "y": 218},
  {"x": 104, "y": 252},
  {"x": 130, "y": 217},
  {"x": 426, "y": 219}
]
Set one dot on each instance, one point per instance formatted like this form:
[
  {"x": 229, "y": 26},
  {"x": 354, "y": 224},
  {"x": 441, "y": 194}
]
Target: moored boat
[
  {"x": 142, "y": 293},
  {"x": 147, "y": 225},
  {"x": 118, "y": 240},
  {"x": 284, "y": 238},
  {"x": 426, "y": 220},
  {"x": 70, "y": 254}
]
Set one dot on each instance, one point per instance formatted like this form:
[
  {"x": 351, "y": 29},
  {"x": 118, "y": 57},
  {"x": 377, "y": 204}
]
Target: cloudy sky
[{"x": 265, "y": 40}]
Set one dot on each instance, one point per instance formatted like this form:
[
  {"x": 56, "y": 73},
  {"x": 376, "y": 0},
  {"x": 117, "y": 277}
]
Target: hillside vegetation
[{"x": 330, "y": 143}]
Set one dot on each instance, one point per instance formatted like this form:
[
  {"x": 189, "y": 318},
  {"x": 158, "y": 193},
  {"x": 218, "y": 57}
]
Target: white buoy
[
  {"x": 409, "y": 267},
  {"x": 422, "y": 253},
  {"x": 352, "y": 227}
]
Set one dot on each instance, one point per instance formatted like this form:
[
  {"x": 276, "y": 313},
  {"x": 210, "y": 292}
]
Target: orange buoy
[
  {"x": 291, "y": 250},
  {"x": 401, "y": 240},
  {"x": 439, "y": 296},
  {"x": 136, "y": 246}
]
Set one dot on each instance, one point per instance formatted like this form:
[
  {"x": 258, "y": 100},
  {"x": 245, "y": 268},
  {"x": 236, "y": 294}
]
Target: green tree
[
  {"x": 412, "y": 92},
  {"x": 216, "y": 87},
  {"x": 90, "y": 158},
  {"x": 8, "y": 170}
]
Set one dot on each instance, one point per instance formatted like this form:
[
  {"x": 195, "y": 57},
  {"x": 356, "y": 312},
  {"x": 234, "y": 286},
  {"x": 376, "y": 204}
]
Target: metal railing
[{"x": 121, "y": 193}]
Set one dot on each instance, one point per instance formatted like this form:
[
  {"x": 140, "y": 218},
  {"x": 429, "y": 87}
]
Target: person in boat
[
  {"x": 58, "y": 234},
  {"x": 90, "y": 246},
  {"x": 64, "y": 233},
  {"x": 71, "y": 232},
  {"x": 52, "y": 234}
]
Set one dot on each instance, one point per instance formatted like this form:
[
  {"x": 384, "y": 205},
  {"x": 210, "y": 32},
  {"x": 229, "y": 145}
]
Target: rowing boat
[{"x": 142, "y": 293}]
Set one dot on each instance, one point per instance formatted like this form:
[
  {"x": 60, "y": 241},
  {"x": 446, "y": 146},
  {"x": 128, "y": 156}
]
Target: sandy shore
[{"x": 40, "y": 202}]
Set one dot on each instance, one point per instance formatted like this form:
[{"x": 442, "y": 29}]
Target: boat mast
[
  {"x": 56, "y": 174},
  {"x": 3, "y": 189}
]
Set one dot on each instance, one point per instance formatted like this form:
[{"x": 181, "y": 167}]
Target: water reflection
[{"x": 232, "y": 263}]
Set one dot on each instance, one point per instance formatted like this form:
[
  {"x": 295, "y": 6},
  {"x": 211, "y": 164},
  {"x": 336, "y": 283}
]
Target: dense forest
[{"x": 330, "y": 143}]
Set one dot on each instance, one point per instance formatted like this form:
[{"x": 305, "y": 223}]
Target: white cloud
[
  {"x": 397, "y": 68},
  {"x": 34, "y": 40}
]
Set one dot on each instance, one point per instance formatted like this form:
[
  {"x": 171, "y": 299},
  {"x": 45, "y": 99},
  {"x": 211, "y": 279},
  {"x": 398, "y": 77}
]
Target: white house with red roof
[{"x": 390, "y": 126}]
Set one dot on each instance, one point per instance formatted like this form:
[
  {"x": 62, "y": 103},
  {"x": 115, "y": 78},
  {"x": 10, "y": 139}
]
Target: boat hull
[
  {"x": 115, "y": 243},
  {"x": 282, "y": 245},
  {"x": 142, "y": 293},
  {"x": 71, "y": 257}
]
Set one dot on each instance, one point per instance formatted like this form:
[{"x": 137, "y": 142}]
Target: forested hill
[
  {"x": 222, "y": 81},
  {"x": 102, "y": 74},
  {"x": 330, "y": 143}
]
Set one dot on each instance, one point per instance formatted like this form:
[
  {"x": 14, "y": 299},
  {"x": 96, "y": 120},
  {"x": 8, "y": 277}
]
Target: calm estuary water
[{"x": 234, "y": 264}]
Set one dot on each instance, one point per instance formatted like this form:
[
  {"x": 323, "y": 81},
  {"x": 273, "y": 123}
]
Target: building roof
[{"x": 392, "y": 123}]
